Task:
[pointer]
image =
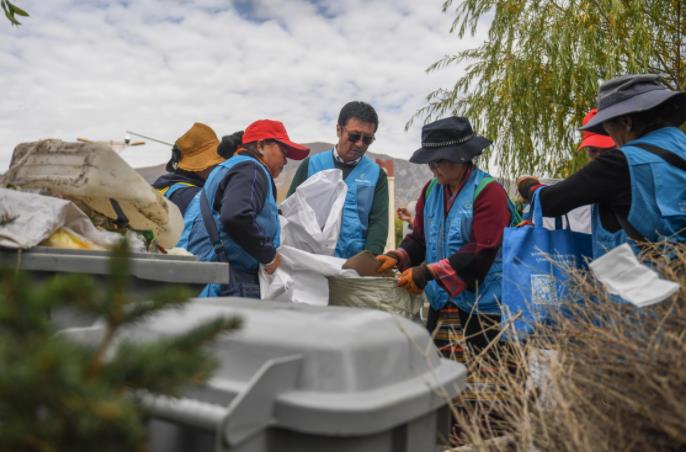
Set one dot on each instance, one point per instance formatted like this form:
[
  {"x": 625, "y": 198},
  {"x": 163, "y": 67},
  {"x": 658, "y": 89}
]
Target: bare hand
[
  {"x": 404, "y": 214},
  {"x": 273, "y": 265}
]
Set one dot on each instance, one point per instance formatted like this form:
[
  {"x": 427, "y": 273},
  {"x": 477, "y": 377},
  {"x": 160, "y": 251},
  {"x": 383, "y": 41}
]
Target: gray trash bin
[
  {"x": 149, "y": 272},
  {"x": 304, "y": 378}
]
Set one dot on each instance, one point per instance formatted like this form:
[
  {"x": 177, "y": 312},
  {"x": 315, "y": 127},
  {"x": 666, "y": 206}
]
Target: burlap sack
[{"x": 374, "y": 293}]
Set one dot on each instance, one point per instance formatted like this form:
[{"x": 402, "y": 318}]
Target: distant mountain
[{"x": 409, "y": 178}]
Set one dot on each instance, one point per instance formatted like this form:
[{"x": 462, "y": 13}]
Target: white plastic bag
[
  {"x": 277, "y": 286},
  {"x": 311, "y": 217},
  {"x": 308, "y": 276},
  {"x": 26, "y": 219},
  {"x": 622, "y": 274}
]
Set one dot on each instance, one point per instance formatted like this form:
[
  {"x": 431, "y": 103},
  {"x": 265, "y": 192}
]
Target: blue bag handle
[
  {"x": 538, "y": 212},
  {"x": 536, "y": 208}
]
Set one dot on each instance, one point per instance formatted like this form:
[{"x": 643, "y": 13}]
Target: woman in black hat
[
  {"x": 453, "y": 252},
  {"x": 639, "y": 190}
]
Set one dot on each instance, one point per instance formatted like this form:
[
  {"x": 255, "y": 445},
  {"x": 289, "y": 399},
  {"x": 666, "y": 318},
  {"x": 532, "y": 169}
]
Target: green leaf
[{"x": 17, "y": 10}]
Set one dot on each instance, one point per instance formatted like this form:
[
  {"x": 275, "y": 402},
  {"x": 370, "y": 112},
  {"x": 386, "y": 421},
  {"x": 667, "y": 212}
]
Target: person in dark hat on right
[
  {"x": 453, "y": 253},
  {"x": 638, "y": 190}
]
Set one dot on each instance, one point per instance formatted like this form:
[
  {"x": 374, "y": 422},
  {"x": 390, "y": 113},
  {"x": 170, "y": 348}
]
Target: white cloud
[{"x": 97, "y": 68}]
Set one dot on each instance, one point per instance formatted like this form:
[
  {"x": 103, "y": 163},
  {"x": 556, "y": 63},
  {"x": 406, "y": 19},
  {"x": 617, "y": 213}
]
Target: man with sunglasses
[{"x": 365, "y": 212}]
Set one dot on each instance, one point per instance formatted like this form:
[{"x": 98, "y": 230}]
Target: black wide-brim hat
[
  {"x": 449, "y": 139},
  {"x": 634, "y": 94}
]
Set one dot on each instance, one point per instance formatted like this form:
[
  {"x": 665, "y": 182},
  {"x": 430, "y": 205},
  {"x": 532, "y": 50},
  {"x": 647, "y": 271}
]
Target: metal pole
[{"x": 149, "y": 138}]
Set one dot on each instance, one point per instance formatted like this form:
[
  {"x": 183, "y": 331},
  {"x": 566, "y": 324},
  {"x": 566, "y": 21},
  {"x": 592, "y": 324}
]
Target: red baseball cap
[
  {"x": 590, "y": 139},
  {"x": 268, "y": 129}
]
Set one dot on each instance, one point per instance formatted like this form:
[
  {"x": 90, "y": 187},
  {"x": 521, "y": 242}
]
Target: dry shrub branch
[{"x": 606, "y": 376}]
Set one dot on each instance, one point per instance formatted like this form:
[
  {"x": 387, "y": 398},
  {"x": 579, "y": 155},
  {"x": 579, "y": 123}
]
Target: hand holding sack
[
  {"x": 387, "y": 261},
  {"x": 273, "y": 265},
  {"x": 414, "y": 279}
]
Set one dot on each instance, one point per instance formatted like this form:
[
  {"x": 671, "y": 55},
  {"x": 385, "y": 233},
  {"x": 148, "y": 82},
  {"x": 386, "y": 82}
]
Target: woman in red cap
[
  {"x": 594, "y": 143},
  {"x": 234, "y": 218}
]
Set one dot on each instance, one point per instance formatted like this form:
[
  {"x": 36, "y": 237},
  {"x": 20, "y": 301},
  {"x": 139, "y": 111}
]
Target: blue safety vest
[
  {"x": 361, "y": 184},
  {"x": 167, "y": 192},
  {"x": 195, "y": 237},
  {"x": 658, "y": 188},
  {"x": 444, "y": 235},
  {"x": 602, "y": 239}
]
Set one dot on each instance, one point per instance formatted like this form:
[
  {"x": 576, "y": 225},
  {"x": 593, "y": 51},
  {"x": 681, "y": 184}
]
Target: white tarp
[
  {"x": 26, "y": 219},
  {"x": 311, "y": 217},
  {"x": 301, "y": 277}
]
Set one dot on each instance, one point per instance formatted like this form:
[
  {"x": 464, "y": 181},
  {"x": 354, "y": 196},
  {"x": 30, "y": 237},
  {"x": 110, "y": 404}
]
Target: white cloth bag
[{"x": 311, "y": 217}]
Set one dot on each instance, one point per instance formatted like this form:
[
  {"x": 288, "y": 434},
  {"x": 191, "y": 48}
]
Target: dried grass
[{"x": 609, "y": 377}]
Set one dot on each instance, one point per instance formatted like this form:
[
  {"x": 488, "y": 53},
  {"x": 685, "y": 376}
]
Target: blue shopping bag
[{"x": 535, "y": 263}]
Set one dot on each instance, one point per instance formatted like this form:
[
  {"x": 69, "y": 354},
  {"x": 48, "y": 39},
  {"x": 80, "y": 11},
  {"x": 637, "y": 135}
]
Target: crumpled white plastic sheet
[
  {"x": 26, "y": 219},
  {"x": 622, "y": 274},
  {"x": 301, "y": 277},
  {"x": 311, "y": 217}
]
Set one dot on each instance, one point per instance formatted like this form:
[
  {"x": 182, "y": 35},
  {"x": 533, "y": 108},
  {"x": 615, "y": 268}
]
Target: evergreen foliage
[
  {"x": 530, "y": 84},
  {"x": 58, "y": 395}
]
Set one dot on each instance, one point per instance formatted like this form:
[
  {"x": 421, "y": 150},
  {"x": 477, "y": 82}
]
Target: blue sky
[{"x": 97, "y": 68}]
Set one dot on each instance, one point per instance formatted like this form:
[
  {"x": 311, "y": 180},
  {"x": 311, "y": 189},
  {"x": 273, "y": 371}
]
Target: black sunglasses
[{"x": 354, "y": 137}]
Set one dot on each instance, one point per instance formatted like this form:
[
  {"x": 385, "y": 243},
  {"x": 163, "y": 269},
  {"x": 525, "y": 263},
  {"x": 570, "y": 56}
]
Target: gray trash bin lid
[
  {"x": 154, "y": 268},
  {"x": 319, "y": 370}
]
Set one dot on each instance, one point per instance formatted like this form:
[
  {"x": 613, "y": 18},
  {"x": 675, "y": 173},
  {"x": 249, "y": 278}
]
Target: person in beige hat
[{"x": 194, "y": 155}]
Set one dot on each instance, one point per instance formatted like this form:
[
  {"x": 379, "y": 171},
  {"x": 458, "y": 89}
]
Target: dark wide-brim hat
[
  {"x": 449, "y": 139},
  {"x": 633, "y": 94}
]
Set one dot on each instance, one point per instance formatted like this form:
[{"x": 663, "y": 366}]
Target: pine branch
[{"x": 56, "y": 394}]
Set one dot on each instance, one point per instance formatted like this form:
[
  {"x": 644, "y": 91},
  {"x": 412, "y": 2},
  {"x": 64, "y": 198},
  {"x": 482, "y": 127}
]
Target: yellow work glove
[
  {"x": 387, "y": 261},
  {"x": 414, "y": 279}
]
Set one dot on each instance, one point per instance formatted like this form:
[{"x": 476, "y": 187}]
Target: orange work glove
[
  {"x": 414, "y": 279},
  {"x": 387, "y": 261}
]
